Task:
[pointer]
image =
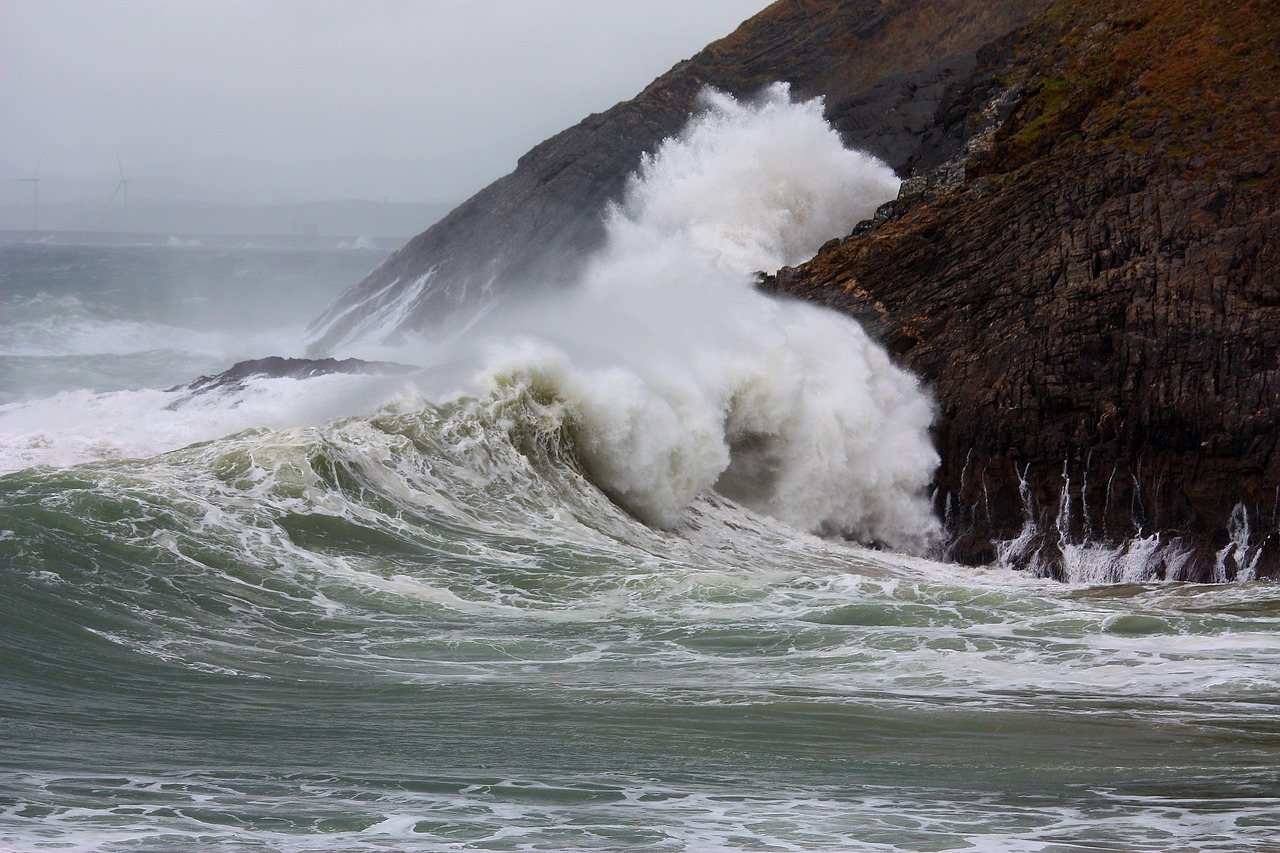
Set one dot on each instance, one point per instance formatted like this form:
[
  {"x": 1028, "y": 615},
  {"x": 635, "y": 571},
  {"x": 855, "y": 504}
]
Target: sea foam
[
  {"x": 672, "y": 374},
  {"x": 680, "y": 377}
]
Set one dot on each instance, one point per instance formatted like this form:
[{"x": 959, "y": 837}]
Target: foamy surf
[
  {"x": 678, "y": 377},
  {"x": 426, "y": 625},
  {"x": 675, "y": 376},
  {"x": 371, "y": 612}
]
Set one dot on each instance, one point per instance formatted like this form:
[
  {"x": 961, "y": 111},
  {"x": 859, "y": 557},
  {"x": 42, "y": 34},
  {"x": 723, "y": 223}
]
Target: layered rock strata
[
  {"x": 1081, "y": 264},
  {"x": 1090, "y": 286}
]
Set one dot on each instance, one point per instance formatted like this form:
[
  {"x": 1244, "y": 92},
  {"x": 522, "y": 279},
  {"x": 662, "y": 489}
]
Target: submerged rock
[{"x": 276, "y": 367}]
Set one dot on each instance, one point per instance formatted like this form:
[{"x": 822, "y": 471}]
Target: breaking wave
[
  {"x": 673, "y": 375},
  {"x": 680, "y": 377}
]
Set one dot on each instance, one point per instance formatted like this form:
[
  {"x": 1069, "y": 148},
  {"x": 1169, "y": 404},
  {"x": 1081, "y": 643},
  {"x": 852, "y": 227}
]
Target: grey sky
[{"x": 300, "y": 100}]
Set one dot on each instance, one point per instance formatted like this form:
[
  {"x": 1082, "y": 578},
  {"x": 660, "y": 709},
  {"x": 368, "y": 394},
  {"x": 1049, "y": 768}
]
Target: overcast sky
[{"x": 256, "y": 101}]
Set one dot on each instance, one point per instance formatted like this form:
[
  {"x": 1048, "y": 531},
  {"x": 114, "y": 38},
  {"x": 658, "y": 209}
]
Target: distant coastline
[
  {"x": 328, "y": 219},
  {"x": 177, "y": 239}
]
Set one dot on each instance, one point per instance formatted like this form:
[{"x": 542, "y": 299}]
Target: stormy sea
[{"x": 644, "y": 563}]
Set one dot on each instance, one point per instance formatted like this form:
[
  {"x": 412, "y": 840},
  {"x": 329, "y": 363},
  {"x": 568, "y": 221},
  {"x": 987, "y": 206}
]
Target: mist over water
[
  {"x": 92, "y": 333},
  {"x": 556, "y": 590},
  {"x": 677, "y": 376},
  {"x": 672, "y": 373}
]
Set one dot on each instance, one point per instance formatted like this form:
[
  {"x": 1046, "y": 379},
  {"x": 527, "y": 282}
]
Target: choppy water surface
[
  {"x": 504, "y": 603},
  {"x": 111, "y": 315},
  {"x": 404, "y": 633}
]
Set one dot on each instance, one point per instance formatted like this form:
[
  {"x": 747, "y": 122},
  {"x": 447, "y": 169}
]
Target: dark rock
[
  {"x": 892, "y": 118},
  {"x": 1082, "y": 263},
  {"x": 1092, "y": 289},
  {"x": 275, "y": 367},
  {"x": 529, "y": 229}
]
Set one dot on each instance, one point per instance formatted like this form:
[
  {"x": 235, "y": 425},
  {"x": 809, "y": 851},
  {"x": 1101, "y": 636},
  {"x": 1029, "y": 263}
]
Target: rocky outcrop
[
  {"x": 235, "y": 377},
  {"x": 882, "y": 65},
  {"x": 1082, "y": 263},
  {"x": 1089, "y": 282}
]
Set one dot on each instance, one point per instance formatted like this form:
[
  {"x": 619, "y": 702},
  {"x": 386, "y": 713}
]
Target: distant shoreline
[
  {"x": 339, "y": 218},
  {"x": 176, "y": 239}
]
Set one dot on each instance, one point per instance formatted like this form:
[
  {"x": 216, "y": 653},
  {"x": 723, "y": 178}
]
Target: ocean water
[{"x": 590, "y": 579}]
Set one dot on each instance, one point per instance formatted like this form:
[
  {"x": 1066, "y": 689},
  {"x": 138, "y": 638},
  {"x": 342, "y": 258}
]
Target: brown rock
[{"x": 1096, "y": 304}]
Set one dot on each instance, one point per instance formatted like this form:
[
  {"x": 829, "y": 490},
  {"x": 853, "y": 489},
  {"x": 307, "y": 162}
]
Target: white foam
[
  {"x": 758, "y": 184},
  {"x": 677, "y": 376},
  {"x": 680, "y": 375},
  {"x": 615, "y": 811},
  {"x": 82, "y": 426}
]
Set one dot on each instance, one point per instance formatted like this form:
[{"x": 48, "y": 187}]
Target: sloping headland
[
  {"x": 526, "y": 229},
  {"x": 1092, "y": 291},
  {"x": 1082, "y": 265}
]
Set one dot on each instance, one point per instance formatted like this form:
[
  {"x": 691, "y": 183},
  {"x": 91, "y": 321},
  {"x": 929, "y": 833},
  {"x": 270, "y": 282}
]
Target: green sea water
[
  {"x": 422, "y": 628},
  {"x": 506, "y": 602}
]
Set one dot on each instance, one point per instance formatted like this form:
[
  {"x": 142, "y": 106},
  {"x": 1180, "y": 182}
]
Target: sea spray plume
[
  {"x": 761, "y": 183},
  {"x": 678, "y": 376}
]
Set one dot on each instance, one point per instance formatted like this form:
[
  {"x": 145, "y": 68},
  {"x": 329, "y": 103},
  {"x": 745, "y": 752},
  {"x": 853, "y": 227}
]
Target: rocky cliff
[
  {"x": 1082, "y": 264},
  {"x": 1091, "y": 288},
  {"x": 882, "y": 65}
]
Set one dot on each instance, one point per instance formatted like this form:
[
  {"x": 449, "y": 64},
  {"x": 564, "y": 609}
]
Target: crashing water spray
[
  {"x": 670, "y": 372},
  {"x": 679, "y": 377}
]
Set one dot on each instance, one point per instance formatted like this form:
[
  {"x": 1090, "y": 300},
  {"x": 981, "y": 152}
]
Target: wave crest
[{"x": 681, "y": 377}]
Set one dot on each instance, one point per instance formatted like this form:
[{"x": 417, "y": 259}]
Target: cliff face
[
  {"x": 526, "y": 229},
  {"x": 1082, "y": 266},
  {"x": 1092, "y": 289}
]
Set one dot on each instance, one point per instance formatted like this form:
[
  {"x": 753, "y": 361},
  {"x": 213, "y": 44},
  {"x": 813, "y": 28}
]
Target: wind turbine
[
  {"x": 123, "y": 185},
  {"x": 34, "y": 180}
]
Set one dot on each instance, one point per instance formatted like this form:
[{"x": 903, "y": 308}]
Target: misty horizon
[{"x": 288, "y": 103}]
